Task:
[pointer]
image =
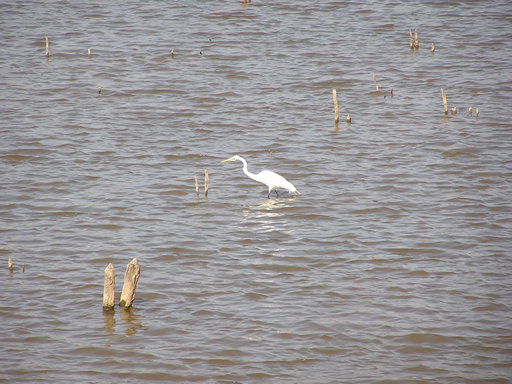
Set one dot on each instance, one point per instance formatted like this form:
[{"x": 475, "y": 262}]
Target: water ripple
[{"x": 395, "y": 253}]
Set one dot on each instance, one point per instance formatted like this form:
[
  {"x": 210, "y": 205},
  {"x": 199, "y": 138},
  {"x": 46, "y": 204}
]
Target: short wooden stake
[
  {"x": 445, "y": 103},
  {"x": 89, "y": 52},
  {"x": 433, "y": 48},
  {"x": 477, "y": 112},
  {"x": 416, "y": 43},
  {"x": 454, "y": 111},
  {"x": 375, "y": 82},
  {"x": 206, "y": 183},
  {"x": 99, "y": 89},
  {"x": 349, "y": 119},
  {"x": 172, "y": 52},
  {"x": 131, "y": 278},
  {"x": 109, "y": 287},
  {"x": 470, "y": 111},
  {"x": 335, "y": 101},
  {"x": 411, "y": 43},
  {"x": 197, "y": 186},
  {"x": 47, "y": 47},
  {"x": 10, "y": 265}
]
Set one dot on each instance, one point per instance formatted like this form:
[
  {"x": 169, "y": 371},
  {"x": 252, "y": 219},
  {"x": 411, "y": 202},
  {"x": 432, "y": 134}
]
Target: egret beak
[{"x": 230, "y": 159}]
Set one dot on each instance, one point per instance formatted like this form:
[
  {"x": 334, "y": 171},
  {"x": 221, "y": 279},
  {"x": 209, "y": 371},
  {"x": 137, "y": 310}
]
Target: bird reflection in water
[{"x": 269, "y": 215}]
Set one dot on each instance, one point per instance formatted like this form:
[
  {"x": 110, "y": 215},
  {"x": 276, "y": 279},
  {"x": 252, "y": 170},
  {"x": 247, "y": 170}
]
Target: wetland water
[{"x": 394, "y": 263}]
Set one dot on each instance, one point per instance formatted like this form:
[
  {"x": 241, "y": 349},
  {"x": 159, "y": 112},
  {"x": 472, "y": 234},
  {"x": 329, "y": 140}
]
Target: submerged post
[
  {"x": 47, "y": 47},
  {"x": 109, "y": 287},
  {"x": 411, "y": 43},
  {"x": 9, "y": 264},
  {"x": 335, "y": 101},
  {"x": 131, "y": 278}
]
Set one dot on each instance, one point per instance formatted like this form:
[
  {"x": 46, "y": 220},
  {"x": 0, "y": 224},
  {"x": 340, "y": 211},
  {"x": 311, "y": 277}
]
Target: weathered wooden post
[
  {"x": 10, "y": 265},
  {"x": 445, "y": 103},
  {"x": 375, "y": 82},
  {"x": 131, "y": 278},
  {"x": 335, "y": 101},
  {"x": 109, "y": 287},
  {"x": 206, "y": 184},
  {"x": 47, "y": 47}
]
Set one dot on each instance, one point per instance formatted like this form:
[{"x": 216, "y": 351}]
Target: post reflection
[
  {"x": 128, "y": 316},
  {"x": 109, "y": 320},
  {"x": 132, "y": 320}
]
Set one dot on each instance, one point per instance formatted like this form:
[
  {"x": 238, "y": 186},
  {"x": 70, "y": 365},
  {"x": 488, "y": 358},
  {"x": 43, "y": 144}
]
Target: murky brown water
[{"x": 392, "y": 266}]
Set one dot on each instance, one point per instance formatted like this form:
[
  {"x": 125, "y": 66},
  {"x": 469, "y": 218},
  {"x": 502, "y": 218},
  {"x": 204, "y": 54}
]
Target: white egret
[{"x": 271, "y": 179}]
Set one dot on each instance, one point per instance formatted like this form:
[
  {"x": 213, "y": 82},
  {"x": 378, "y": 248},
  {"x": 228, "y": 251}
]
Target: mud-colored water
[{"x": 392, "y": 266}]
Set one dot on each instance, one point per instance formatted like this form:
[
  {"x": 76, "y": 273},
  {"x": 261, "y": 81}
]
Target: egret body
[{"x": 271, "y": 179}]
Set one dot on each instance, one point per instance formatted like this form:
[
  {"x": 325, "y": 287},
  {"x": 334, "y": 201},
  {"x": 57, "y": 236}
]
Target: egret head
[{"x": 236, "y": 157}]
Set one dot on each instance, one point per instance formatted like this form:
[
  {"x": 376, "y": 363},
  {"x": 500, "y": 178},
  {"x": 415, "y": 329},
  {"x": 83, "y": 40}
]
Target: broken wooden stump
[
  {"x": 445, "y": 103},
  {"x": 335, "y": 101},
  {"x": 131, "y": 278},
  {"x": 109, "y": 287},
  {"x": 375, "y": 82},
  {"x": 206, "y": 184}
]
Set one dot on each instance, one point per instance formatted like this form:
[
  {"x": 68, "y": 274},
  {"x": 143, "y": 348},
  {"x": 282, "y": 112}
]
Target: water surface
[{"x": 393, "y": 265}]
